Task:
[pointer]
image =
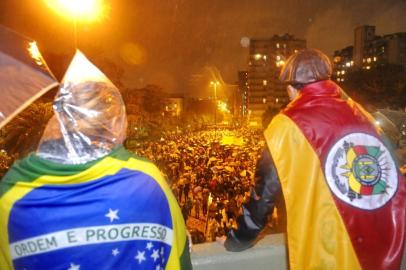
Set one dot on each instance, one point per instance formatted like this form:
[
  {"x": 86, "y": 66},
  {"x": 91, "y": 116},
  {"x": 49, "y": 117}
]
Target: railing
[{"x": 269, "y": 253}]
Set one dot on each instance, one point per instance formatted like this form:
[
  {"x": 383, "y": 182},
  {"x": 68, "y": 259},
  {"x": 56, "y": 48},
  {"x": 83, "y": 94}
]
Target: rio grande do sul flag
[
  {"x": 345, "y": 199},
  {"x": 115, "y": 213}
]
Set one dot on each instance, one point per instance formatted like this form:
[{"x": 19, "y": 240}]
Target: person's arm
[{"x": 260, "y": 205}]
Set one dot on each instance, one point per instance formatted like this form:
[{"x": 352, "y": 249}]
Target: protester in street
[
  {"x": 82, "y": 201},
  {"x": 345, "y": 197}
]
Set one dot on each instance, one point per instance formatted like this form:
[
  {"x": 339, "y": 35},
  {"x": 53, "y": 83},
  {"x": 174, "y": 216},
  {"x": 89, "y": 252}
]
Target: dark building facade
[
  {"x": 266, "y": 58},
  {"x": 241, "y": 99},
  {"x": 369, "y": 51},
  {"x": 342, "y": 62}
]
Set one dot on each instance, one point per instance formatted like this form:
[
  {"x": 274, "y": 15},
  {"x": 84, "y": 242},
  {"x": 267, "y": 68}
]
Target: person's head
[
  {"x": 304, "y": 67},
  {"x": 89, "y": 117}
]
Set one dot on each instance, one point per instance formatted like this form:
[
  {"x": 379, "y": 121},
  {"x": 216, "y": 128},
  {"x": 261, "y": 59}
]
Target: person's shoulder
[
  {"x": 126, "y": 155},
  {"x": 281, "y": 128},
  {"x": 22, "y": 166},
  {"x": 26, "y": 169},
  {"x": 132, "y": 161},
  {"x": 280, "y": 120}
]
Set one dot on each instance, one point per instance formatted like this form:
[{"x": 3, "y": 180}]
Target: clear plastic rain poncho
[{"x": 89, "y": 116}]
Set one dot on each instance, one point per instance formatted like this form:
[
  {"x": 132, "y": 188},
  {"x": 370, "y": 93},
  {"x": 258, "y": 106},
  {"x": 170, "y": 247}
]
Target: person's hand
[
  {"x": 189, "y": 236},
  {"x": 221, "y": 240}
]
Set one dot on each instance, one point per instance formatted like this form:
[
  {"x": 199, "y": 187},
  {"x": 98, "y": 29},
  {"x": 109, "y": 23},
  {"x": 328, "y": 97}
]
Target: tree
[
  {"x": 5, "y": 162},
  {"x": 381, "y": 87},
  {"x": 154, "y": 100},
  {"x": 23, "y": 133},
  {"x": 113, "y": 71}
]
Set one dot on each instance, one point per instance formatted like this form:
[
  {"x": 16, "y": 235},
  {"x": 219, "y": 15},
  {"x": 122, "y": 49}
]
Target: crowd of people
[
  {"x": 211, "y": 174},
  {"x": 342, "y": 192}
]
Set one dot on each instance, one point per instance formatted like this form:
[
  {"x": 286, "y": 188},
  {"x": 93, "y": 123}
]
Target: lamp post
[{"x": 214, "y": 84}]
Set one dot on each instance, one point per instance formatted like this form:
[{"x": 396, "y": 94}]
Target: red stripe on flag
[
  {"x": 360, "y": 150},
  {"x": 377, "y": 236}
]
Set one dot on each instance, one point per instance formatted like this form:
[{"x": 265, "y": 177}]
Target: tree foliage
[
  {"x": 23, "y": 133},
  {"x": 380, "y": 87}
]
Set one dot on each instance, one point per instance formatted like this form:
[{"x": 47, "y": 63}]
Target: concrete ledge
[{"x": 269, "y": 253}]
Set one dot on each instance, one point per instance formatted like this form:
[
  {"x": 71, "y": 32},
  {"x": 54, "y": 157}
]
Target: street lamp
[
  {"x": 78, "y": 10},
  {"x": 214, "y": 84}
]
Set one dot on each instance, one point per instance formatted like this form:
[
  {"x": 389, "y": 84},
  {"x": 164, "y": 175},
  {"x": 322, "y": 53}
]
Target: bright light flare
[
  {"x": 280, "y": 63},
  {"x": 222, "y": 106},
  {"x": 35, "y": 54},
  {"x": 83, "y": 10},
  {"x": 133, "y": 54}
]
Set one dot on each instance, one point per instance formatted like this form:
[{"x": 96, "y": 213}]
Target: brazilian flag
[{"x": 114, "y": 213}]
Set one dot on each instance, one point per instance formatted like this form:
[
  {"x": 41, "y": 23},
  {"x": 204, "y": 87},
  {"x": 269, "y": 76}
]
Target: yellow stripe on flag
[{"x": 317, "y": 236}]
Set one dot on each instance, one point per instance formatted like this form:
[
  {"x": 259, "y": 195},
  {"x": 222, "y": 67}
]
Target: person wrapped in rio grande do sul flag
[
  {"x": 345, "y": 197},
  {"x": 82, "y": 201}
]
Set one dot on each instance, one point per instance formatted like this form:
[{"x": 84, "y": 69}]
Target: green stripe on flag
[{"x": 32, "y": 167}]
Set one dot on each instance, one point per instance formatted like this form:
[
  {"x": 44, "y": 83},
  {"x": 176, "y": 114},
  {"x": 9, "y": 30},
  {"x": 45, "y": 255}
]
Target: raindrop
[{"x": 245, "y": 42}]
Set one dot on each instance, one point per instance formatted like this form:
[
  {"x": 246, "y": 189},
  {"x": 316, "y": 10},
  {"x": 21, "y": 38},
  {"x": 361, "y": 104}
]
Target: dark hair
[
  {"x": 298, "y": 86},
  {"x": 306, "y": 66}
]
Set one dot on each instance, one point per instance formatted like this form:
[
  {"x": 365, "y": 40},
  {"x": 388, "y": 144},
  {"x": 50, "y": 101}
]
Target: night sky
[{"x": 181, "y": 45}]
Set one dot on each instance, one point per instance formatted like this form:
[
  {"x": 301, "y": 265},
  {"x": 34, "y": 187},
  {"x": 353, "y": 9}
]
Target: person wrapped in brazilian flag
[{"x": 82, "y": 201}]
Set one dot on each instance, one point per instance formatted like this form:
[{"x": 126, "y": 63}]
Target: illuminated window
[
  {"x": 368, "y": 60},
  {"x": 264, "y": 100},
  {"x": 265, "y": 57},
  {"x": 278, "y": 57},
  {"x": 295, "y": 51},
  {"x": 363, "y": 60},
  {"x": 277, "y": 45},
  {"x": 375, "y": 58},
  {"x": 352, "y": 63},
  {"x": 257, "y": 56},
  {"x": 348, "y": 64},
  {"x": 338, "y": 72},
  {"x": 264, "y": 82},
  {"x": 343, "y": 72},
  {"x": 276, "y": 100},
  {"x": 368, "y": 67}
]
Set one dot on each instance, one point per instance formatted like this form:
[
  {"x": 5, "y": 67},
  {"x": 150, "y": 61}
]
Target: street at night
[{"x": 202, "y": 134}]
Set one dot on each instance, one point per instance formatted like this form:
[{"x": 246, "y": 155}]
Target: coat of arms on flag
[{"x": 361, "y": 171}]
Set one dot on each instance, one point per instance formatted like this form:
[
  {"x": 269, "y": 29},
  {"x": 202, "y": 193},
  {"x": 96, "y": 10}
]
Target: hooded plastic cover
[{"x": 89, "y": 120}]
